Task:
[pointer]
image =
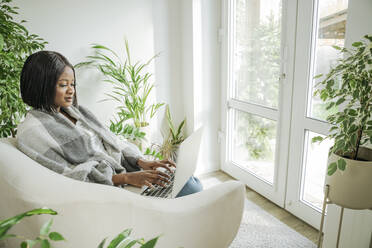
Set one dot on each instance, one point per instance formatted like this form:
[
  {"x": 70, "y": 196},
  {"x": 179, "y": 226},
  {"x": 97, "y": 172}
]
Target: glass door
[
  {"x": 254, "y": 126},
  {"x": 317, "y": 31}
]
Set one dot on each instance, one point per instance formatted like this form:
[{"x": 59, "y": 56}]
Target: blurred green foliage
[{"x": 16, "y": 44}]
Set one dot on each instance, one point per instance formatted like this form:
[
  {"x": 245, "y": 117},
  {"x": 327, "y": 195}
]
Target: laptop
[{"x": 186, "y": 166}]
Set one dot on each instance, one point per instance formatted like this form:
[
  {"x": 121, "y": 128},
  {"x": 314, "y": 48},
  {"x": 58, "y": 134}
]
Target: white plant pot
[{"x": 352, "y": 188}]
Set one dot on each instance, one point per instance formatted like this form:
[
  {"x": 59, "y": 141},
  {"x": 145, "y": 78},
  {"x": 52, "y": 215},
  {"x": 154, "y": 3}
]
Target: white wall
[
  {"x": 168, "y": 67},
  {"x": 185, "y": 31},
  {"x": 208, "y": 106},
  {"x": 357, "y": 225},
  {"x": 70, "y": 26},
  {"x": 201, "y": 20}
]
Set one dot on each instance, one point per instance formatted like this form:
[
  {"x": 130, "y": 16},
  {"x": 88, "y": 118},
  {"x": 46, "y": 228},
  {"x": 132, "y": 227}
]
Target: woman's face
[{"x": 65, "y": 89}]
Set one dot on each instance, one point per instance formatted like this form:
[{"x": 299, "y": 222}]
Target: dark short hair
[{"x": 39, "y": 77}]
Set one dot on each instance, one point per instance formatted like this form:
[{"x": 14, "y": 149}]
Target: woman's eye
[{"x": 65, "y": 85}]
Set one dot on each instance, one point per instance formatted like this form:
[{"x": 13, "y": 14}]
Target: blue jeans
[{"x": 193, "y": 185}]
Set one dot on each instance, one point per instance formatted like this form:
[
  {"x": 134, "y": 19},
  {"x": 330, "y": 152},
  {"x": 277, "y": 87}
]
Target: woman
[{"x": 68, "y": 139}]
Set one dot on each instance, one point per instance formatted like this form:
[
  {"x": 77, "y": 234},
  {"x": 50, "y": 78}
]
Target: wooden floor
[{"x": 281, "y": 214}]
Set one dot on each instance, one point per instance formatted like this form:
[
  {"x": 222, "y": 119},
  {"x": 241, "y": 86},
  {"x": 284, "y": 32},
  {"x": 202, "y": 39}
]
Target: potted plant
[
  {"x": 16, "y": 43},
  {"x": 348, "y": 87},
  {"x": 172, "y": 139},
  {"x": 131, "y": 89}
]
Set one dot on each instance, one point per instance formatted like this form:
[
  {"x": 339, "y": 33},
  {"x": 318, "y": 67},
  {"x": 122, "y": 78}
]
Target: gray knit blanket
[{"x": 56, "y": 143}]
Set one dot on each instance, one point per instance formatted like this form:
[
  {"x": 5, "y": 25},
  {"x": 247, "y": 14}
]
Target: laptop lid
[{"x": 186, "y": 160}]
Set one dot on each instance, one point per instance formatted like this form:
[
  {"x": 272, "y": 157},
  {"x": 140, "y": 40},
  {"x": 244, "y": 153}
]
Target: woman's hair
[{"x": 39, "y": 77}]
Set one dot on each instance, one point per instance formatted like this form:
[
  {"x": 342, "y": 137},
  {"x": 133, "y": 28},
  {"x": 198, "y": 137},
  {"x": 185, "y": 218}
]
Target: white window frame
[
  {"x": 304, "y": 56},
  {"x": 275, "y": 192}
]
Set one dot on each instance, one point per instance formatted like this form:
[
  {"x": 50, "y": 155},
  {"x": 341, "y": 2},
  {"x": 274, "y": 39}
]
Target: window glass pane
[
  {"x": 253, "y": 144},
  {"x": 257, "y": 51},
  {"x": 315, "y": 165},
  {"x": 331, "y": 23}
]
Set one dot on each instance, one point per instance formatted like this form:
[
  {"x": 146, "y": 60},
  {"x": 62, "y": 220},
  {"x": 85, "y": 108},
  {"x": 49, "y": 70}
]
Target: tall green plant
[
  {"x": 16, "y": 43},
  {"x": 131, "y": 89},
  {"x": 348, "y": 86}
]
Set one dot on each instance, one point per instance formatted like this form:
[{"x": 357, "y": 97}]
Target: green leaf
[
  {"x": 368, "y": 37},
  {"x": 353, "y": 127},
  {"x": 1, "y": 42},
  {"x": 98, "y": 46},
  {"x": 330, "y": 105},
  {"x": 317, "y": 139},
  {"x": 339, "y": 101},
  {"x": 151, "y": 243},
  {"x": 336, "y": 47},
  {"x": 140, "y": 241},
  {"x": 324, "y": 95},
  {"x": 45, "y": 243},
  {"x": 129, "y": 244},
  {"x": 101, "y": 245},
  {"x": 29, "y": 243},
  {"x": 45, "y": 229},
  {"x": 5, "y": 225},
  {"x": 369, "y": 133},
  {"x": 83, "y": 64},
  {"x": 56, "y": 236},
  {"x": 357, "y": 44},
  {"x": 330, "y": 83},
  {"x": 169, "y": 119},
  {"x": 332, "y": 169},
  {"x": 8, "y": 236},
  {"x": 118, "y": 239},
  {"x": 180, "y": 128},
  {"x": 318, "y": 76},
  {"x": 341, "y": 164},
  {"x": 352, "y": 112},
  {"x": 353, "y": 139}
]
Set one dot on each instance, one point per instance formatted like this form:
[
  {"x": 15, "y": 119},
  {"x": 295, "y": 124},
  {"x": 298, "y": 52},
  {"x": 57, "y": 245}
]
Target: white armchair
[{"x": 90, "y": 212}]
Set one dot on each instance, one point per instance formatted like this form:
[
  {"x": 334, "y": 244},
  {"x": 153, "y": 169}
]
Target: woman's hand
[
  {"x": 153, "y": 165},
  {"x": 141, "y": 178}
]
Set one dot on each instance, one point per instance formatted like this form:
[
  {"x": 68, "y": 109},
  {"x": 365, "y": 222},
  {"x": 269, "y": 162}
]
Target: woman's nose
[{"x": 71, "y": 89}]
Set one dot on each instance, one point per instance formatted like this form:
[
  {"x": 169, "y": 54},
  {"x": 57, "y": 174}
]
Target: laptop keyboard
[{"x": 160, "y": 191}]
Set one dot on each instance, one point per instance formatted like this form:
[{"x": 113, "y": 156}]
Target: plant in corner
[
  {"x": 348, "y": 86},
  {"x": 171, "y": 140},
  {"x": 131, "y": 89},
  {"x": 16, "y": 43}
]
